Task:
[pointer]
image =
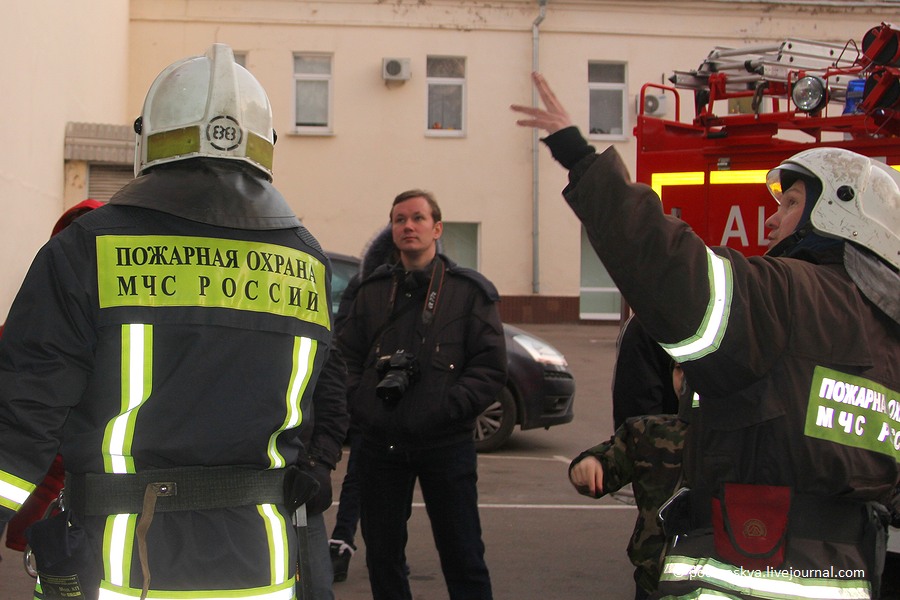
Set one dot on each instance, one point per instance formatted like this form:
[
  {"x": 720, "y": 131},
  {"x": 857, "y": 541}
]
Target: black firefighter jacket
[
  {"x": 145, "y": 340},
  {"x": 798, "y": 373}
]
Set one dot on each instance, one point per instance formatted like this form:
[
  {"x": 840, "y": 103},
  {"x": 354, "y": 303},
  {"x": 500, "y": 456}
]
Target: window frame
[
  {"x": 328, "y": 128},
  {"x": 622, "y": 87},
  {"x": 458, "y": 81},
  {"x": 455, "y": 228}
]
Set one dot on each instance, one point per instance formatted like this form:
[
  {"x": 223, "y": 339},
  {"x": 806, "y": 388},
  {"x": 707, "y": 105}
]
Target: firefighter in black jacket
[
  {"x": 168, "y": 344},
  {"x": 795, "y": 355}
]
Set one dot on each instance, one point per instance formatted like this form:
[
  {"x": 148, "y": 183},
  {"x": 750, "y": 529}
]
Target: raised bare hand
[{"x": 551, "y": 119}]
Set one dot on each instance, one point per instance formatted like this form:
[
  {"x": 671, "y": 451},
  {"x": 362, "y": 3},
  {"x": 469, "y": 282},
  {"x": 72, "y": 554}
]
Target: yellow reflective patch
[
  {"x": 176, "y": 142},
  {"x": 161, "y": 271},
  {"x": 658, "y": 180},
  {"x": 260, "y": 150},
  {"x": 745, "y": 176}
]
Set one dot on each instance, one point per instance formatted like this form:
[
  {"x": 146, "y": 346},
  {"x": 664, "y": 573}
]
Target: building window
[
  {"x": 599, "y": 298},
  {"x": 607, "y": 92},
  {"x": 312, "y": 93},
  {"x": 460, "y": 243},
  {"x": 240, "y": 58},
  {"x": 446, "y": 79}
]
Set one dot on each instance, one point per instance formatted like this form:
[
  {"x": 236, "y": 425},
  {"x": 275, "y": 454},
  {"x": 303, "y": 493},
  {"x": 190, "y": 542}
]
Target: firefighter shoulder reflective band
[
  {"x": 854, "y": 411},
  {"x": 211, "y": 272}
]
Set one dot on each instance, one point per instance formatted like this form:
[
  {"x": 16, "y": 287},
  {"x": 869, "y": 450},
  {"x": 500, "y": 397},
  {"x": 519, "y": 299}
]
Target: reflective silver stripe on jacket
[
  {"x": 715, "y": 320},
  {"x": 14, "y": 491},
  {"x": 774, "y": 584},
  {"x": 137, "y": 373}
]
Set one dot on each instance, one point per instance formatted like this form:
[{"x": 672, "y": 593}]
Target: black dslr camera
[{"x": 396, "y": 371}]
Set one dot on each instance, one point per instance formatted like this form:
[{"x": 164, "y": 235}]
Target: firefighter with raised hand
[
  {"x": 793, "y": 454},
  {"x": 168, "y": 344}
]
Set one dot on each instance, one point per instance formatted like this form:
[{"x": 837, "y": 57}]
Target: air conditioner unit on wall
[
  {"x": 654, "y": 104},
  {"x": 395, "y": 69}
]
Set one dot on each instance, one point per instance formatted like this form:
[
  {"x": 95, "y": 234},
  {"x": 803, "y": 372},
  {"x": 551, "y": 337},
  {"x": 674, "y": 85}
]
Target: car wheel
[{"x": 494, "y": 426}]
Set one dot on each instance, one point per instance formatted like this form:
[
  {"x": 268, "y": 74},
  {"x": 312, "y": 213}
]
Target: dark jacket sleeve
[
  {"x": 330, "y": 417},
  {"x": 46, "y": 357},
  {"x": 352, "y": 339},
  {"x": 733, "y": 307},
  {"x": 484, "y": 374},
  {"x": 643, "y": 450}
]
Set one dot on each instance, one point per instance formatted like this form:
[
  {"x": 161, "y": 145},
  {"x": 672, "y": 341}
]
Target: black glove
[
  {"x": 320, "y": 473},
  {"x": 299, "y": 487}
]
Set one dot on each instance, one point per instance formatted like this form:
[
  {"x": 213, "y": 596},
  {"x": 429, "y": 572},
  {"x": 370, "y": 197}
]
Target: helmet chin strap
[{"x": 785, "y": 245}]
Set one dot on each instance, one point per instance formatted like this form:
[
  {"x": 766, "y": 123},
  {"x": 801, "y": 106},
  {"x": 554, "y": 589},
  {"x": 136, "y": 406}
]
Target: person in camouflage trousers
[{"x": 646, "y": 452}]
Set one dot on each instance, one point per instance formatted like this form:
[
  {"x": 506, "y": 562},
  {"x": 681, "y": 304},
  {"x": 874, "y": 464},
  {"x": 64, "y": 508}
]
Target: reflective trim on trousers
[
  {"x": 282, "y": 591},
  {"x": 774, "y": 585},
  {"x": 703, "y": 595},
  {"x": 118, "y": 542},
  {"x": 277, "y": 529}
]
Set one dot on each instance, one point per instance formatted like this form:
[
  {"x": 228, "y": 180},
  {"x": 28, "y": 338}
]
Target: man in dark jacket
[
  {"x": 425, "y": 354},
  {"x": 796, "y": 358}
]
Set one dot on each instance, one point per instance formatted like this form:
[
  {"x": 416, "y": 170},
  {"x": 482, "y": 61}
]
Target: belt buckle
[{"x": 164, "y": 489}]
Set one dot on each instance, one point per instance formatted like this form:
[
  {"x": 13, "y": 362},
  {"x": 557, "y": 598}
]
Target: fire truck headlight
[{"x": 809, "y": 94}]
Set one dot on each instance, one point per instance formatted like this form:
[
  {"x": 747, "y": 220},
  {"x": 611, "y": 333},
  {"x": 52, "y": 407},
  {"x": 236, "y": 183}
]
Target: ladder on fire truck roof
[
  {"x": 745, "y": 68},
  {"x": 861, "y": 81}
]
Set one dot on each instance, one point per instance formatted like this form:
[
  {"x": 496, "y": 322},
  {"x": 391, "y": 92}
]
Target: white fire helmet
[
  {"x": 205, "y": 106},
  {"x": 860, "y": 199}
]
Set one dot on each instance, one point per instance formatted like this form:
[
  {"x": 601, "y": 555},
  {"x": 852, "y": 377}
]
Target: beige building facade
[{"x": 372, "y": 98}]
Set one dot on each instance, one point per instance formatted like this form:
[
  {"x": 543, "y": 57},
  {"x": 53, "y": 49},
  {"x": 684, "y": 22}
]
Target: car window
[{"x": 342, "y": 271}]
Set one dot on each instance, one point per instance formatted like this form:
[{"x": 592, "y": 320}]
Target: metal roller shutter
[{"x": 106, "y": 180}]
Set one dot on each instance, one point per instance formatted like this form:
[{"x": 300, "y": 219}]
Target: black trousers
[{"x": 447, "y": 477}]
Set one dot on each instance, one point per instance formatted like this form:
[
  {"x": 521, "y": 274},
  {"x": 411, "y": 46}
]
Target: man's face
[
  {"x": 787, "y": 217},
  {"x": 413, "y": 227}
]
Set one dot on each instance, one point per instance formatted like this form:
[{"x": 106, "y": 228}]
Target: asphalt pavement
[{"x": 543, "y": 541}]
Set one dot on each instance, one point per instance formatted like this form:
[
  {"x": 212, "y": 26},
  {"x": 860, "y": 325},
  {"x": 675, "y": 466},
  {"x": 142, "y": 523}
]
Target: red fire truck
[{"x": 751, "y": 108}]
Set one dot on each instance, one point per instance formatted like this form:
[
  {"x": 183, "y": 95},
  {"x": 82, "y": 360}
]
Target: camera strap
[
  {"x": 434, "y": 293},
  {"x": 432, "y": 297}
]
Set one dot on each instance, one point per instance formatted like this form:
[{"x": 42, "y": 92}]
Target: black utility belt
[{"x": 176, "y": 489}]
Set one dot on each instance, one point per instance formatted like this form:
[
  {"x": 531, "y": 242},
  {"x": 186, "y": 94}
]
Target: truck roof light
[{"x": 809, "y": 94}]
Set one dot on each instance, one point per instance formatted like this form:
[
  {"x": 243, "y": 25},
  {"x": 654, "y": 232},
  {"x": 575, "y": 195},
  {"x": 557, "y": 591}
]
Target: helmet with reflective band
[
  {"x": 205, "y": 106},
  {"x": 860, "y": 199}
]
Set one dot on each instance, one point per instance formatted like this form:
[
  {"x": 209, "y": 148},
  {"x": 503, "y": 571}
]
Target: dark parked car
[{"x": 540, "y": 389}]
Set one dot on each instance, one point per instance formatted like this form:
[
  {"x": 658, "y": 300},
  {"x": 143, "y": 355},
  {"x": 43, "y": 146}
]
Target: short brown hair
[{"x": 409, "y": 194}]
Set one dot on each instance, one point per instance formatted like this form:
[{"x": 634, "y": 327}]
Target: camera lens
[{"x": 392, "y": 387}]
